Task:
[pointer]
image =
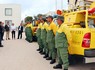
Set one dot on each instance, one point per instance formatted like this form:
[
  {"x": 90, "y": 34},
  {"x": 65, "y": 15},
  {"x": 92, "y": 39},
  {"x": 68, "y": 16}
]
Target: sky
[{"x": 34, "y": 7}]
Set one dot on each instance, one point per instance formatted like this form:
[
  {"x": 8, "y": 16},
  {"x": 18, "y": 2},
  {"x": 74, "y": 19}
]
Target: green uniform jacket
[
  {"x": 50, "y": 36},
  {"x": 28, "y": 33},
  {"x": 43, "y": 34},
  {"x": 38, "y": 34},
  {"x": 61, "y": 40}
]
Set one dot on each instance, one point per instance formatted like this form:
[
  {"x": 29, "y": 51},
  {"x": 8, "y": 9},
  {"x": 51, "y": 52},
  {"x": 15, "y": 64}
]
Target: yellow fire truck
[{"x": 79, "y": 27}]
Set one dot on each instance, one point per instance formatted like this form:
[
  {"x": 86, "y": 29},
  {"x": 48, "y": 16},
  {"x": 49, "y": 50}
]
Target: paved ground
[{"x": 21, "y": 55}]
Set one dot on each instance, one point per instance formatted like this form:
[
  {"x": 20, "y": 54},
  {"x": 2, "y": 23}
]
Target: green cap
[
  {"x": 50, "y": 16},
  {"x": 61, "y": 18}
]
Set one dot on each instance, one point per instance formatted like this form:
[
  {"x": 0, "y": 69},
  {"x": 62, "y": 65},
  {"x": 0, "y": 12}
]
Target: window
[
  {"x": 8, "y": 21},
  {"x": 91, "y": 23},
  {"x": 8, "y": 11}
]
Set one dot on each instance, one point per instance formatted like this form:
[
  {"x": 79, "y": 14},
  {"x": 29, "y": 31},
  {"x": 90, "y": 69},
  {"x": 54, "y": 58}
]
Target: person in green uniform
[
  {"x": 38, "y": 34},
  {"x": 51, "y": 40},
  {"x": 28, "y": 31},
  {"x": 46, "y": 25},
  {"x": 61, "y": 44},
  {"x": 43, "y": 36}
]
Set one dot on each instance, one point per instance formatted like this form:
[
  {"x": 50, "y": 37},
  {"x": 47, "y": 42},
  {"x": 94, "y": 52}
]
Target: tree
[{"x": 28, "y": 19}]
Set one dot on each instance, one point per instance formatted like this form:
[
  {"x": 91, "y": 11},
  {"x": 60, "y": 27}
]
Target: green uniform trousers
[
  {"x": 62, "y": 49},
  {"x": 51, "y": 44},
  {"x": 28, "y": 33},
  {"x": 63, "y": 56},
  {"x": 59, "y": 57},
  {"x": 43, "y": 37},
  {"x": 39, "y": 40}
]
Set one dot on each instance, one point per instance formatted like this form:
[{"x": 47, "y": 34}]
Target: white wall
[{"x": 16, "y": 13}]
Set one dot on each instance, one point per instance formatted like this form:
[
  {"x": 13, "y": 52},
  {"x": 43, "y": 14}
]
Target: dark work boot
[
  {"x": 58, "y": 66},
  {"x": 53, "y": 61},
  {"x": 8, "y": 38},
  {"x": 45, "y": 56},
  {"x": 65, "y": 69},
  {"x": 42, "y": 53},
  {"x": 48, "y": 58},
  {"x": 38, "y": 49},
  {"x": 1, "y": 46}
]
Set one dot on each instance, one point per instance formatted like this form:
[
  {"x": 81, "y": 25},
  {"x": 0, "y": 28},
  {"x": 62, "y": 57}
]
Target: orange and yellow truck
[{"x": 79, "y": 27}]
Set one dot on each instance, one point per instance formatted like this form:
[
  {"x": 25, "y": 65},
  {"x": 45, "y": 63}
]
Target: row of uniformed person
[{"x": 53, "y": 41}]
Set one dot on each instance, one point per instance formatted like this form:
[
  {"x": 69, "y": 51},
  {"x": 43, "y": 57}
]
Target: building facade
[{"x": 10, "y": 13}]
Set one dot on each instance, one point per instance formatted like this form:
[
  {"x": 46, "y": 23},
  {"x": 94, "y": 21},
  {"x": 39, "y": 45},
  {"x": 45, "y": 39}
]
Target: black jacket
[
  {"x": 1, "y": 29},
  {"x": 20, "y": 29},
  {"x": 7, "y": 28}
]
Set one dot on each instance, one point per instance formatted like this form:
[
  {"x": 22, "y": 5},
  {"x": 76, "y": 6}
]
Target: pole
[
  {"x": 56, "y": 4},
  {"x": 62, "y": 4}
]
